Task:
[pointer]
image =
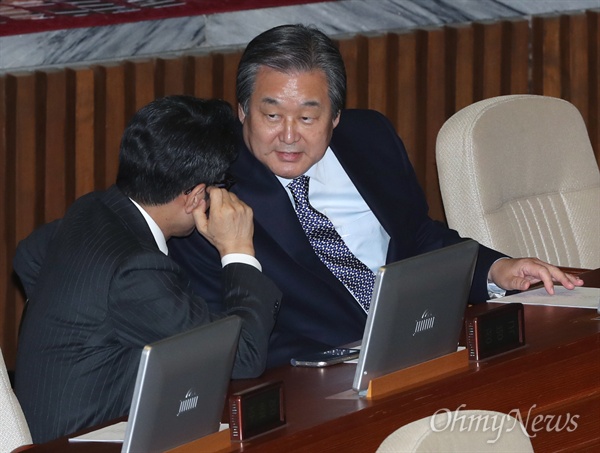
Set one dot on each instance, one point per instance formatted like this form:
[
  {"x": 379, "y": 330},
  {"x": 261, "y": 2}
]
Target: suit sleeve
[
  {"x": 151, "y": 298},
  {"x": 30, "y": 255}
]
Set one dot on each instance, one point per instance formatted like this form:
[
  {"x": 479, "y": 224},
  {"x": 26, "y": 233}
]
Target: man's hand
[
  {"x": 521, "y": 273},
  {"x": 229, "y": 226}
]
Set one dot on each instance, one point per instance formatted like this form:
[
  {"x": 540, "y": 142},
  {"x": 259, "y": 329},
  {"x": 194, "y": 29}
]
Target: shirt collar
[
  {"x": 159, "y": 237},
  {"x": 319, "y": 171}
]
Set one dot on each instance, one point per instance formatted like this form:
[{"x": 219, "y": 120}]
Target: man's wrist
[
  {"x": 240, "y": 258},
  {"x": 494, "y": 291}
]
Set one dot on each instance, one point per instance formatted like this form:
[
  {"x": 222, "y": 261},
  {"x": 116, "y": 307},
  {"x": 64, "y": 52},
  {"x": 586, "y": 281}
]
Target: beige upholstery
[
  {"x": 518, "y": 174},
  {"x": 14, "y": 431},
  {"x": 460, "y": 431}
]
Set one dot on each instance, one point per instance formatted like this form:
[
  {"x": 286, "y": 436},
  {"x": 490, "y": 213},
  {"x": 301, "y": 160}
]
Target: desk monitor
[
  {"x": 416, "y": 311},
  {"x": 181, "y": 387}
]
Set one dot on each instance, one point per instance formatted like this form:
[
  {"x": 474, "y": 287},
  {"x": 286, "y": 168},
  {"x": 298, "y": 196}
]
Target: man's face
[{"x": 289, "y": 122}]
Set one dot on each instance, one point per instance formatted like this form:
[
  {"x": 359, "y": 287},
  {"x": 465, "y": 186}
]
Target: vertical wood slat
[
  {"x": 435, "y": 116},
  {"x": 519, "y": 39},
  {"x": 408, "y": 99},
  {"x": 489, "y": 37},
  {"x": 355, "y": 54},
  {"x": 140, "y": 85},
  {"x": 377, "y": 87},
  {"x": 546, "y": 56},
  {"x": 21, "y": 190},
  {"x": 55, "y": 145},
  {"x": 461, "y": 64},
  {"x": 83, "y": 80},
  {"x": 26, "y": 184},
  {"x": 7, "y": 300},
  {"x": 60, "y": 129},
  {"x": 203, "y": 69},
  {"x": 574, "y": 42},
  {"x": 229, "y": 70},
  {"x": 114, "y": 121},
  {"x": 171, "y": 74}
]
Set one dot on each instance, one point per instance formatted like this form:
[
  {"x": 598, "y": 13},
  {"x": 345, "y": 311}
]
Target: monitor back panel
[
  {"x": 416, "y": 312},
  {"x": 181, "y": 387}
]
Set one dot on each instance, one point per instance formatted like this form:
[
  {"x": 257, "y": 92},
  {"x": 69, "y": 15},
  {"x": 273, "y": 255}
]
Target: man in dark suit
[
  {"x": 291, "y": 89},
  {"x": 100, "y": 283}
]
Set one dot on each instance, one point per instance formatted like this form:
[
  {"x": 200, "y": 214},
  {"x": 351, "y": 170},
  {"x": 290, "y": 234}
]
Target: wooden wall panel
[
  {"x": 55, "y": 145},
  {"x": 574, "y": 44},
  {"x": 60, "y": 129},
  {"x": 8, "y": 303},
  {"x": 377, "y": 73},
  {"x": 546, "y": 56},
  {"x": 82, "y": 119},
  {"x": 435, "y": 115},
  {"x": 518, "y": 54},
  {"x": 229, "y": 70},
  {"x": 140, "y": 86},
  {"x": 407, "y": 120},
  {"x": 489, "y": 40},
  {"x": 26, "y": 181},
  {"x": 109, "y": 121},
  {"x": 203, "y": 75},
  {"x": 460, "y": 67}
]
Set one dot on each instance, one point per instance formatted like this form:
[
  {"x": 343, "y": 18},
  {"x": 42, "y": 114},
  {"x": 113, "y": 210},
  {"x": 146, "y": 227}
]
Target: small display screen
[
  {"x": 262, "y": 411},
  {"x": 500, "y": 332}
]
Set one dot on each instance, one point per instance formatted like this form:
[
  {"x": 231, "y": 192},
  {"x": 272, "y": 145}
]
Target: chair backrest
[
  {"x": 460, "y": 431},
  {"x": 517, "y": 173},
  {"x": 14, "y": 431}
]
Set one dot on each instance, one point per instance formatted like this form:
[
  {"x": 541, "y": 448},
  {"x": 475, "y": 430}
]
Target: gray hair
[{"x": 288, "y": 49}]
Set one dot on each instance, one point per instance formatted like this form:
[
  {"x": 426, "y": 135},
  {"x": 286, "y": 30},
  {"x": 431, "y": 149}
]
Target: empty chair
[
  {"x": 460, "y": 431},
  {"x": 517, "y": 173},
  {"x": 14, "y": 431}
]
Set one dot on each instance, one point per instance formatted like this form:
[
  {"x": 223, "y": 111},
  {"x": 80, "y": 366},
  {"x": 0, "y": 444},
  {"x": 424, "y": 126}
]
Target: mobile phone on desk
[{"x": 326, "y": 358}]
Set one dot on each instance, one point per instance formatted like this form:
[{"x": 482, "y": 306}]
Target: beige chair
[
  {"x": 14, "y": 431},
  {"x": 517, "y": 173},
  {"x": 460, "y": 431}
]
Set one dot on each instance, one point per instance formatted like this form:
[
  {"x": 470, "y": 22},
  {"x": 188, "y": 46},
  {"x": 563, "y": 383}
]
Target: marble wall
[{"x": 235, "y": 29}]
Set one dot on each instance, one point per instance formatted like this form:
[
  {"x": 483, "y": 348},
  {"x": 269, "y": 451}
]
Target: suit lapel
[
  {"x": 129, "y": 215},
  {"x": 383, "y": 182},
  {"x": 273, "y": 211}
]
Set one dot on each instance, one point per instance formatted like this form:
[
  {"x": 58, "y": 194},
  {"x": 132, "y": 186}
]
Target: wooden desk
[{"x": 556, "y": 374}]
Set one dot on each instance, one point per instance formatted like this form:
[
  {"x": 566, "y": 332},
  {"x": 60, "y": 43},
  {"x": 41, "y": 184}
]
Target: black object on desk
[{"x": 493, "y": 330}]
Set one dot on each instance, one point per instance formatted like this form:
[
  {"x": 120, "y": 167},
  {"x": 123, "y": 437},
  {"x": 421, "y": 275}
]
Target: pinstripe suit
[{"x": 100, "y": 290}]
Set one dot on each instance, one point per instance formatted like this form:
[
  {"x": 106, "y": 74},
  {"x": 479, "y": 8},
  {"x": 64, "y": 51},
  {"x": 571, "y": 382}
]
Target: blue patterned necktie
[{"x": 330, "y": 247}]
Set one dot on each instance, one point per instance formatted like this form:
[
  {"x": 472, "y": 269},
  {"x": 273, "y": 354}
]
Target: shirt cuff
[
  {"x": 494, "y": 291},
  {"x": 240, "y": 258}
]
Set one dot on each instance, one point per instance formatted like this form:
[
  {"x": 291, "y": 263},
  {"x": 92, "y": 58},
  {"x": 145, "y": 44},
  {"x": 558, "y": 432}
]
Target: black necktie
[{"x": 330, "y": 247}]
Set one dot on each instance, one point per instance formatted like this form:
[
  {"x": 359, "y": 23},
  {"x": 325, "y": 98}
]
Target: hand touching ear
[{"x": 230, "y": 226}]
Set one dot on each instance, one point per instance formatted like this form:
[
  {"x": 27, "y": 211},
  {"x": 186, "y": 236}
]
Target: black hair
[{"x": 174, "y": 143}]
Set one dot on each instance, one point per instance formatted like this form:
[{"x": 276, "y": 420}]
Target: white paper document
[
  {"x": 575, "y": 298},
  {"x": 111, "y": 433},
  {"x": 114, "y": 433}
]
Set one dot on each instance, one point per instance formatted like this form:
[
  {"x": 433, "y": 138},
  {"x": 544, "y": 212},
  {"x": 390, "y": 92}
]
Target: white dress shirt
[{"x": 331, "y": 192}]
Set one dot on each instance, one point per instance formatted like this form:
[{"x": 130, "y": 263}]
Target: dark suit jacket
[
  {"x": 99, "y": 290},
  {"x": 317, "y": 310}
]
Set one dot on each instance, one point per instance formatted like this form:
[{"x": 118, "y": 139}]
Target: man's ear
[
  {"x": 241, "y": 114},
  {"x": 336, "y": 120},
  {"x": 192, "y": 199}
]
